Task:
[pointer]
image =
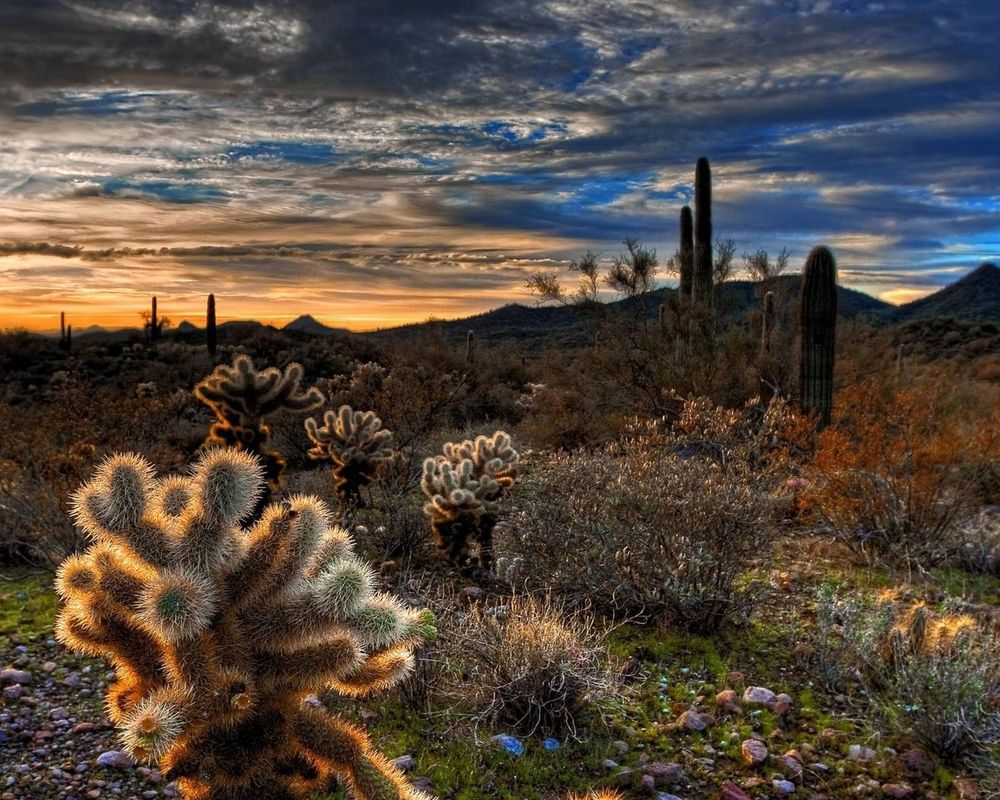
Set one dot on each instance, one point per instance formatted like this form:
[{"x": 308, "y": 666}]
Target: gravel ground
[{"x": 55, "y": 742}]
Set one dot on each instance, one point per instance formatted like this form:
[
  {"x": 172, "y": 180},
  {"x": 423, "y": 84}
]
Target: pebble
[
  {"x": 784, "y": 787},
  {"x": 758, "y": 696},
  {"x": 726, "y": 700},
  {"x": 897, "y": 790},
  {"x": 115, "y": 759},
  {"x": 691, "y": 721},
  {"x": 857, "y": 752},
  {"x": 404, "y": 763},
  {"x": 14, "y": 676},
  {"x": 753, "y": 752},
  {"x": 730, "y": 791}
]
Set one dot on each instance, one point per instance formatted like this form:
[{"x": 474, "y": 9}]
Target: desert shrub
[
  {"x": 529, "y": 665},
  {"x": 894, "y": 476},
  {"x": 980, "y": 551},
  {"x": 651, "y": 527},
  {"x": 932, "y": 675}
]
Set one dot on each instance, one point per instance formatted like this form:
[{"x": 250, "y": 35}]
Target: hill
[
  {"x": 309, "y": 324},
  {"x": 974, "y": 297},
  {"x": 534, "y": 326}
]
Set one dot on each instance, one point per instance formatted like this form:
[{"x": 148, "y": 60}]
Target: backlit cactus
[
  {"x": 702, "y": 273},
  {"x": 598, "y": 794},
  {"x": 464, "y": 487},
  {"x": 356, "y": 444},
  {"x": 241, "y": 397},
  {"x": 818, "y": 328},
  {"x": 686, "y": 253},
  {"x": 211, "y": 332},
  {"x": 218, "y": 633}
]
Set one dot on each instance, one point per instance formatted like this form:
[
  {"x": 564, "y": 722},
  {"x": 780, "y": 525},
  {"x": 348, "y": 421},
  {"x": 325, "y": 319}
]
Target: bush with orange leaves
[{"x": 895, "y": 476}]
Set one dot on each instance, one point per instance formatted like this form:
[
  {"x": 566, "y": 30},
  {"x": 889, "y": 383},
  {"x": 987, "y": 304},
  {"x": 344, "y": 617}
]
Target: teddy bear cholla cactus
[
  {"x": 464, "y": 487},
  {"x": 241, "y": 397},
  {"x": 217, "y": 633},
  {"x": 356, "y": 444}
]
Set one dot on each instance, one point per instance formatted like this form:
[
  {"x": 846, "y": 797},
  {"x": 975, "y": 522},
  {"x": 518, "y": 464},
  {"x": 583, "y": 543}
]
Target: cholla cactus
[
  {"x": 598, "y": 794},
  {"x": 464, "y": 487},
  {"x": 217, "y": 633},
  {"x": 356, "y": 444},
  {"x": 242, "y": 397}
]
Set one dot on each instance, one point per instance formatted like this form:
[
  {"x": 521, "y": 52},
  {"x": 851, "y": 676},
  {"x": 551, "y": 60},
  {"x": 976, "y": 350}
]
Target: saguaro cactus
[
  {"x": 62, "y": 330},
  {"x": 470, "y": 348},
  {"x": 818, "y": 327},
  {"x": 686, "y": 252},
  {"x": 211, "y": 334},
  {"x": 356, "y": 444},
  {"x": 154, "y": 323},
  {"x": 217, "y": 633},
  {"x": 69, "y": 338},
  {"x": 241, "y": 398},
  {"x": 767, "y": 325},
  {"x": 464, "y": 486},
  {"x": 702, "y": 281}
]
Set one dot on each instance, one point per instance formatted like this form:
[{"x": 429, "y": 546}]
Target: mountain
[
  {"x": 534, "y": 326},
  {"x": 974, "y": 297},
  {"x": 309, "y": 324},
  {"x": 186, "y": 327}
]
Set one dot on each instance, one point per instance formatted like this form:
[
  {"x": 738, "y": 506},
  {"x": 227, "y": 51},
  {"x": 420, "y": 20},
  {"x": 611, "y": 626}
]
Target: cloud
[{"x": 226, "y": 135}]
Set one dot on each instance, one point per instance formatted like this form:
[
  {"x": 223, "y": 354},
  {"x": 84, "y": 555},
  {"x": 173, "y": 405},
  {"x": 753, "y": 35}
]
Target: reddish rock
[
  {"x": 726, "y": 700},
  {"x": 691, "y": 721},
  {"x": 730, "y": 791},
  {"x": 758, "y": 696},
  {"x": 915, "y": 763},
  {"x": 781, "y": 704}
]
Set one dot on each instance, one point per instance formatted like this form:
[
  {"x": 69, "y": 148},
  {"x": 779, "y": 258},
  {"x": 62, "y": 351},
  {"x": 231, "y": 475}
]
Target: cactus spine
[
  {"x": 818, "y": 326},
  {"x": 686, "y": 253},
  {"x": 211, "y": 340},
  {"x": 702, "y": 271},
  {"x": 217, "y": 633}
]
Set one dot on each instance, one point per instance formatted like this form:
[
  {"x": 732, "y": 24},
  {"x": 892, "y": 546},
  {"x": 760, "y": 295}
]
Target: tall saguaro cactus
[
  {"x": 218, "y": 633},
  {"x": 686, "y": 252},
  {"x": 154, "y": 323},
  {"x": 62, "y": 331},
  {"x": 211, "y": 334},
  {"x": 702, "y": 279},
  {"x": 470, "y": 349},
  {"x": 818, "y": 327},
  {"x": 767, "y": 325}
]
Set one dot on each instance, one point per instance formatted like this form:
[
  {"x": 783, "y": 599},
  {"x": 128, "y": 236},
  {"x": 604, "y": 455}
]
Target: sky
[{"x": 374, "y": 162}]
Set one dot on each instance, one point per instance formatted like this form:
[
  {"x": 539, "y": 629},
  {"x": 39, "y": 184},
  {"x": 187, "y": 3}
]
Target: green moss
[
  {"x": 27, "y": 605},
  {"x": 959, "y": 583}
]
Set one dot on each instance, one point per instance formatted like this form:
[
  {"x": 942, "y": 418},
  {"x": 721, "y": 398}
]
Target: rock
[
  {"x": 753, "y": 752},
  {"x": 726, "y": 701},
  {"x": 84, "y": 727},
  {"x": 914, "y": 763},
  {"x": 404, "y": 763},
  {"x": 115, "y": 759},
  {"x": 857, "y": 752},
  {"x": 781, "y": 704},
  {"x": 783, "y": 787},
  {"x": 897, "y": 790},
  {"x": 14, "y": 693},
  {"x": 665, "y": 796},
  {"x": 14, "y": 676},
  {"x": 58, "y": 713},
  {"x": 664, "y": 774},
  {"x": 648, "y": 783},
  {"x": 966, "y": 788},
  {"x": 691, "y": 721},
  {"x": 790, "y": 767},
  {"x": 758, "y": 696},
  {"x": 551, "y": 744},
  {"x": 511, "y": 744},
  {"x": 625, "y": 777},
  {"x": 730, "y": 791},
  {"x": 620, "y": 745},
  {"x": 49, "y": 666},
  {"x": 609, "y": 764}
]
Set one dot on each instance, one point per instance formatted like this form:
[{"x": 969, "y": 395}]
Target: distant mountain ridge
[{"x": 975, "y": 297}]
